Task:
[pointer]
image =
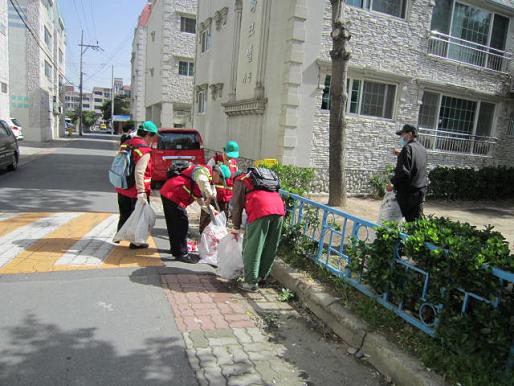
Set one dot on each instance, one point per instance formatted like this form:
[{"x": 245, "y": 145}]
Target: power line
[
  {"x": 84, "y": 13},
  {"x": 36, "y": 39},
  {"x": 93, "y": 18}
]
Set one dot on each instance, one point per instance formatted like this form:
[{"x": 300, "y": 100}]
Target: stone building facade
[
  {"x": 265, "y": 81},
  {"x": 170, "y": 62},
  {"x": 37, "y": 68},
  {"x": 4, "y": 63},
  {"x": 138, "y": 66}
]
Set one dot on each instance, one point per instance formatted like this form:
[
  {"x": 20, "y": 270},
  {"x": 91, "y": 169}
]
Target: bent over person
[
  {"x": 265, "y": 210},
  {"x": 141, "y": 158},
  {"x": 410, "y": 179},
  {"x": 192, "y": 182}
]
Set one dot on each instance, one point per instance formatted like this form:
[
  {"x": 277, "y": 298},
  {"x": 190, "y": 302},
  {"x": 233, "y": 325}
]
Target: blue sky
[{"x": 111, "y": 23}]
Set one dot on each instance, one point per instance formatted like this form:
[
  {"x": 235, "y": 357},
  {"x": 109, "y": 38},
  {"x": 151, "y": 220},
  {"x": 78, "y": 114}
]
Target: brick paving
[{"x": 224, "y": 344}]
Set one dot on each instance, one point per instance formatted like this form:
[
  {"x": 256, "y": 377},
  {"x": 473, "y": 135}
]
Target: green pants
[{"x": 260, "y": 247}]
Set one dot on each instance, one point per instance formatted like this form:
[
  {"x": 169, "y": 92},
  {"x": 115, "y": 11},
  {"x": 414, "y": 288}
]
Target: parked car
[
  {"x": 103, "y": 126},
  {"x": 15, "y": 127},
  {"x": 9, "y": 151},
  {"x": 175, "y": 144}
]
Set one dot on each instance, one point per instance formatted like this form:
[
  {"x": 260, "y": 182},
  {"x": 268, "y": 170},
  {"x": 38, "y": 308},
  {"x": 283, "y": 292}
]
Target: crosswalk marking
[
  {"x": 23, "y": 237},
  {"x": 46, "y": 242},
  {"x": 94, "y": 247}
]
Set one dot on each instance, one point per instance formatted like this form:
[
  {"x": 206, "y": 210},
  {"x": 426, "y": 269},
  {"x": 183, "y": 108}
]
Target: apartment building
[
  {"x": 71, "y": 99},
  {"x": 100, "y": 95},
  {"x": 263, "y": 78},
  {"x": 4, "y": 63},
  {"x": 37, "y": 67},
  {"x": 169, "y": 68}
]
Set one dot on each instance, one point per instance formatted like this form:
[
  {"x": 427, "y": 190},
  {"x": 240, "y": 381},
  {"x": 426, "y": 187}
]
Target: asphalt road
[{"x": 90, "y": 327}]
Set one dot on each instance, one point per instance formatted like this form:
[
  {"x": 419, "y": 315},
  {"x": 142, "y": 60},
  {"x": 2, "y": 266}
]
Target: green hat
[
  {"x": 150, "y": 127},
  {"x": 231, "y": 149},
  {"x": 225, "y": 171}
]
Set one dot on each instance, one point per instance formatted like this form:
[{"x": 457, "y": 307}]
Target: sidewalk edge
[{"x": 389, "y": 359}]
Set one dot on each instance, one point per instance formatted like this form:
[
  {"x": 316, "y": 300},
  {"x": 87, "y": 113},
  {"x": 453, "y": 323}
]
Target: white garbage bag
[
  {"x": 138, "y": 226},
  {"x": 389, "y": 209},
  {"x": 230, "y": 257},
  {"x": 211, "y": 236}
]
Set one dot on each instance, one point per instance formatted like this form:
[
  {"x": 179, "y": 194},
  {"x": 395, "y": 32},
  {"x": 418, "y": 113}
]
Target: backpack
[
  {"x": 121, "y": 174},
  {"x": 264, "y": 179}
]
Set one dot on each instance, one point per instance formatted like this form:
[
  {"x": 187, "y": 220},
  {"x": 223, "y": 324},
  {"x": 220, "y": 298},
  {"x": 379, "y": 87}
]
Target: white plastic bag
[
  {"x": 230, "y": 258},
  {"x": 211, "y": 236},
  {"x": 138, "y": 226},
  {"x": 389, "y": 209}
]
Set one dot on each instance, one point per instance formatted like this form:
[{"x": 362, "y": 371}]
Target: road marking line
[
  {"x": 23, "y": 235},
  {"x": 43, "y": 253},
  {"x": 10, "y": 224},
  {"x": 6, "y": 216},
  {"x": 94, "y": 247},
  {"x": 121, "y": 256}
]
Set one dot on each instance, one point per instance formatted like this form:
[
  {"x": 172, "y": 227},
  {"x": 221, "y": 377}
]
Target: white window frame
[
  {"x": 361, "y": 94},
  {"x": 205, "y": 40},
  {"x": 368, "y": 5},
  {"x": 190, "y": 67},
  {"x": 49, "y": 35},
  {"x": 477, "y": 111},
  {"x": 48, "y": 70},
  {"x": 202, "y": 101},
  {"x": 184, "y": 23}
]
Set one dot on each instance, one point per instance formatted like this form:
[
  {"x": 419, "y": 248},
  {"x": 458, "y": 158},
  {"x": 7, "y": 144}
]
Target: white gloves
[{"x": 142, "y": 197}]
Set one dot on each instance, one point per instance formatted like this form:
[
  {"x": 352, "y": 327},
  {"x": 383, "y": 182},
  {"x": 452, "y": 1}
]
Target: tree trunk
[{"x": 340, "y": 56}]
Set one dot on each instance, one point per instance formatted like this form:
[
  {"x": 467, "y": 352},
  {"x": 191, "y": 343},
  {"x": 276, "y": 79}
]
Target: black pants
[
  {"x": 127, "y": 206},
  {"x": 205, "y": 218},
  {"x": 177, "y": 224},
  {"x": 411, "y": 204}
]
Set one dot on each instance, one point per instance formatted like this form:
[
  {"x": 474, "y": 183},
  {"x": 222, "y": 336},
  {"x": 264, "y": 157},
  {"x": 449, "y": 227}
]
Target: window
[
  {"x": 202, "y": 101},
  {"x": 455, "y": 124},
  {"x": 61, "y": 56},
  {"x": 186, "y": 68},
  {"x": 365, "y": 98},
  {"x": 188, "y": 25},
  {"x": 48, "y": 70},
  {"x": 469, "y": 34},
  {"x": 205, "y": 40},
  {"x": 152, "y": 34},
  {"x": 99, "y": 100},
  {"x": 178, "y": 141},
  {"x": 48, "y": 38},
  {"x": 85, "y": 106},
  {"x": 4, "y": 87},
  {"x": 391, "y": 7},
  {"x": 98, "y": 93},
  {"x": 4, "y": 131}
]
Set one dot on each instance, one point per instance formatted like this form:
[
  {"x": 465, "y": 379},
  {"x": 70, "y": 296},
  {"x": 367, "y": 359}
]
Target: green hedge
[
  {"x": 489, "y": 183},
  {"x": 471, "y": 348}
]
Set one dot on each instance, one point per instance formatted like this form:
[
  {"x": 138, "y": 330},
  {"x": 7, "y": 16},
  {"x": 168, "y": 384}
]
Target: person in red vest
[
  {"x": 265, "y": 211},
  {"x": 222, "y": 181},
  {"x": 141, "y": 157},
  {"x": 192, "y": 182}
]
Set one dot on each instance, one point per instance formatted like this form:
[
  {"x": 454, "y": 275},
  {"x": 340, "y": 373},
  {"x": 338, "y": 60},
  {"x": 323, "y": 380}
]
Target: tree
[
  {"x": 339, "y": 95},
  {"x": 88, "y": 118},
  {"x": 121, "y": 107}
]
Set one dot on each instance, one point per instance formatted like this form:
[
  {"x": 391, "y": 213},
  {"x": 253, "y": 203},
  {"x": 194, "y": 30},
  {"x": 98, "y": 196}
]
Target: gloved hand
[
  {"x": 142, "y": 197},
  {"x": 235, "y": 233}
]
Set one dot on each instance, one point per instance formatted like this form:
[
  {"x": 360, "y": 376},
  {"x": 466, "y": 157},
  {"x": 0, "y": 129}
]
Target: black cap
[{"x": 407, "y": 129}]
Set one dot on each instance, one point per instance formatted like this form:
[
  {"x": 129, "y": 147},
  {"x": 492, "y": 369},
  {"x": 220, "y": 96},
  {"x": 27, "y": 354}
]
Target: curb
[{"x": 386, "y": 357}]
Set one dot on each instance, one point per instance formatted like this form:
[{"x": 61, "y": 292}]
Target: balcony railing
[
  {"x": 452, "y": 142},
  {"x": 464, "y": 51}
]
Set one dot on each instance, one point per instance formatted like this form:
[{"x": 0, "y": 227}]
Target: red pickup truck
[{"x": 175, "y": 144}]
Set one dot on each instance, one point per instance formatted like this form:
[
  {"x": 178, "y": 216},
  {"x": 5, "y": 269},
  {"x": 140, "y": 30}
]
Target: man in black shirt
[{"x": 410, "y": 179}]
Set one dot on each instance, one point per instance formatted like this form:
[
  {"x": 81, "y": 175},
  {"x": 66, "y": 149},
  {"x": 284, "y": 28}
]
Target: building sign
[
  {"x": 121, "y": 118},
  {"x": 251, "y": 22}
]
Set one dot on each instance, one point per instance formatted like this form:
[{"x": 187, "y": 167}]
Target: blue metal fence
[{"x": 332, "y": 230}]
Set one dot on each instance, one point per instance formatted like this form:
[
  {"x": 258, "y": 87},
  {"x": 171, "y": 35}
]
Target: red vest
[
  {"x": 181, "y": 189},
  {"x": 224, "y": 193},
  {"x": 137, "y": 153},
  {"x": 261, "y": 203}
]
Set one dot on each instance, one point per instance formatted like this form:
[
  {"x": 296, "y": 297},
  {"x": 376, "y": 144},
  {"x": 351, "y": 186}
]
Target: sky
[{"x": 111, "y": 23}]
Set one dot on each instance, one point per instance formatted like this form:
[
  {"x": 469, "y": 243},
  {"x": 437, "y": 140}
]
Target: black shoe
[
  {"x": 186, "y": 259},
  {"x": 140, "y": 246}
]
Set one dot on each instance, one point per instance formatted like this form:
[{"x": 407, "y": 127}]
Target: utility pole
[
  {"x": 112, "y": 101},
  {"x": 83, "y": 49}
]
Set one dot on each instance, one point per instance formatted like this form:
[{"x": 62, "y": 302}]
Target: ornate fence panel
[{"x": 332, "y": 230}]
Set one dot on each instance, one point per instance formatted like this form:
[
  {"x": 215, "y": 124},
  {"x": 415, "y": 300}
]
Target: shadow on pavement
[{"x": 35, "y": 353}]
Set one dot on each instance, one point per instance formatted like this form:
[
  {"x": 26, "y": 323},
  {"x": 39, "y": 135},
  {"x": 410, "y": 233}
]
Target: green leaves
[{"x": 294, "y": 179}]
